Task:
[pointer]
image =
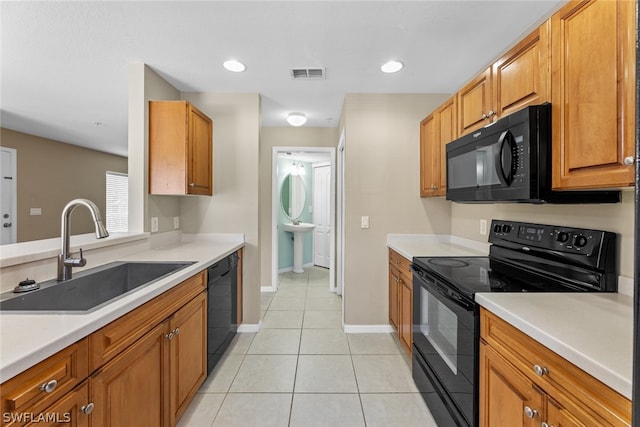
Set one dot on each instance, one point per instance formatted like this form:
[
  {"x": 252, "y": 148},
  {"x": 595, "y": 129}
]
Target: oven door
[{"x": 446, "y": 339}]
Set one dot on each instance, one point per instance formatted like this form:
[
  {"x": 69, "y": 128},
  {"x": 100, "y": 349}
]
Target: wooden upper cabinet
[
  {"x": 475, "y": 108},
  {"x": 180, "y": 149},
  {"x": 522, "y": 76},
  {"x": 593, "y": 94},
  {"x": 436, "y": 131}
]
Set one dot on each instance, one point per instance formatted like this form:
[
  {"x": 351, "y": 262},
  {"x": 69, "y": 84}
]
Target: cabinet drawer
[
  {"x": 108, "y": 342},
  {"x": 61, "y": 372},
  {"x": 401, "y": 263},
  {"x": 555, "y": 374}
]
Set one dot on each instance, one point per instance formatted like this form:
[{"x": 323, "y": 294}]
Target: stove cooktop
[{"x": 470, "y": 275}]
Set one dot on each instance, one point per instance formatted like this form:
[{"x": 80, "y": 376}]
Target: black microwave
[{"x": 510, "y": 161}]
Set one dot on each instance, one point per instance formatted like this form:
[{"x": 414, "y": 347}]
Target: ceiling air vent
[{"x": 307, "y": 73}]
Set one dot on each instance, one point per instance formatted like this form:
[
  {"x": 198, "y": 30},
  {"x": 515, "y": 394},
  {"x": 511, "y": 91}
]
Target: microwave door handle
[{"x": 505, "y": 141}]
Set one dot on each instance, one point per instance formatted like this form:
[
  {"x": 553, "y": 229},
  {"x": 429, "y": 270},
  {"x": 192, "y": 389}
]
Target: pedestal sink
[{"x": 298, "y": 231}]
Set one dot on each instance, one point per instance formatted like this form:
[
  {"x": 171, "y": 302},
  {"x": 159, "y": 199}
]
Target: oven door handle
[{"x": 454, "y": 297}]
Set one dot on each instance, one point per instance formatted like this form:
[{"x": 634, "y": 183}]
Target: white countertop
[
  {"x": 410, "y": 245},
  {"x": 28, "y": 338},
  {"x": 592, "y": 331}
]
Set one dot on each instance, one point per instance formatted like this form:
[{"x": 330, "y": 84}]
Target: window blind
[{"x": 117, "y": 215}]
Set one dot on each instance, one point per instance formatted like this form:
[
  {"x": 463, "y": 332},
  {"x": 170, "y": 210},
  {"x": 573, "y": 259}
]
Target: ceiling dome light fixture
[
  {"x": 392, "y": 66},
  {"x": 296, "y": 119},
  {"x": 234, "y": 65}
]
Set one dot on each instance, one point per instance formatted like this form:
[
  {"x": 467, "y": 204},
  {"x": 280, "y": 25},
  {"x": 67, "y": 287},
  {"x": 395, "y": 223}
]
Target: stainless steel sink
[{"x": 90, "y": 288}]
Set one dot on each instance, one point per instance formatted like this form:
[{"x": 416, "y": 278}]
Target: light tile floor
[{"x": 302, "y": 370}]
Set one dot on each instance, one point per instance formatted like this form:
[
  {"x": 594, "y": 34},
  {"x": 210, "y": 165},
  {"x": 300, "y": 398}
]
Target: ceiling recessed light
[
  {"x": 234, "y": 65},
  {"x": 392, "y": 67},
  {"x": 296, "y": 119}
]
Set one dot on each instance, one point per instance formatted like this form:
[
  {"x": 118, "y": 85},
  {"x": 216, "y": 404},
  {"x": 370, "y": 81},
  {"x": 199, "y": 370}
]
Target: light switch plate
[
  {"x": 364, "y": 222},
  {"x": 35, "y": 211}
]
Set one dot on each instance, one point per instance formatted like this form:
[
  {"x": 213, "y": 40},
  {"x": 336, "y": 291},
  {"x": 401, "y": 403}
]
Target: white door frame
[
  {"x": 275, "y": 206},
  {"x": 340, "y": 237},
  {"x": 14, "y": 192}
]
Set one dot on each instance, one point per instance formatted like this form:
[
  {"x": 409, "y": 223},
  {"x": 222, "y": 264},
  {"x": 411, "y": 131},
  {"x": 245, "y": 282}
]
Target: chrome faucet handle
[{"x": 76, "y": 262}]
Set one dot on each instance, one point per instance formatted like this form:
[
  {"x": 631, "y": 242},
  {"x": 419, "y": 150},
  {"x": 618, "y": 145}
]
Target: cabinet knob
[
  {"x": 192, "y": 184},
  {"x": 546, "y": 424},
  {"x": 87, "y": 409},
  {"x": 169, "y": 336},
  {"x": 540, "y": 371},
  {"x": 48, "y": 387},
  {"x": 491, "y": 113},
  {"x": 483, "y": 116},
  {"x": 628, "y": 161},
  {"x": 530, "y": 413},
  {"x": 176, "y": 331}
]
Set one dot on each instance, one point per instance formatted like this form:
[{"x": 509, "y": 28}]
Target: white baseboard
[
  {"x": 368, "y": 329},
  {"x": 246, "y": 328}
]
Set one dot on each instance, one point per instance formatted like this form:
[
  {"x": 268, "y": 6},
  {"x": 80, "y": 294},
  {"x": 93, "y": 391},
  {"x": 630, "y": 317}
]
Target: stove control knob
[
  {"x": 497, "y": 228},
  {"x": 562, "y": 237},
  {"x": 506, "y": 228},
  {"x": 580, "y": 241}
]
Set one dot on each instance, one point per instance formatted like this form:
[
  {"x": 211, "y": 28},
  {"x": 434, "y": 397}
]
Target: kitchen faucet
[{"x": 65, "y": 262}]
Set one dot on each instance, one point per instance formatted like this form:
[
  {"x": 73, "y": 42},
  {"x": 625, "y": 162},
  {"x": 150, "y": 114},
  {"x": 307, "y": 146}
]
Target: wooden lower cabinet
[
  {"x": 401, "y": 298},
  {"x": 142, "y": 369},
  {"x": 505, "y": 393},
  {"x": 188, "y": 354},
  {"x": 523, "y": 383},
  {"x": 132, "y": 389}
]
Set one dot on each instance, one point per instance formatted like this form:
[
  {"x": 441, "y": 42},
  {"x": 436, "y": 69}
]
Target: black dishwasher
[{"x": 222, "y": 288}]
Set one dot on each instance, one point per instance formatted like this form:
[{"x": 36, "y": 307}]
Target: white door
[
  {"x": 8, "y": 226},
  {"x": 322, "y": 215}
]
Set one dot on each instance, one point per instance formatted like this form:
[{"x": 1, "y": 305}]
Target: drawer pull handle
[
  {"x": 48, "y": 387},
  {"x": 540, "y": 371},
  {"x": 87, "y": 409},
  {"x": 530, "y": 413}
]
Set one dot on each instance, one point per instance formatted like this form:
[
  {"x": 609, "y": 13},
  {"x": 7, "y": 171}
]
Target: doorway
[
  {"x": 299, "y": 161},
  {"x": 8, "y": 196}
]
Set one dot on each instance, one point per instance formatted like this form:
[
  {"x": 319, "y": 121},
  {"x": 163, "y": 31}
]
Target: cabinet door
[
  {"x": 559, "y": 416},
  {"x": 199, "y": 170},
  {"x": 70, "y": 411},
  {"x": 522, "y": 76},
  {"x": 188, "y": 329},
  {"x": 394, "y": 281},
  {"x": 406, "y": 312},
  {"x": 474, "y": 103},
  {"x": 132, "y": 389},
  {"x": 448, "y": 131},
  {"x": 428, "y": 156},
  {"x": 593, "y": 94},
  {"x": 507, "y": 397}
]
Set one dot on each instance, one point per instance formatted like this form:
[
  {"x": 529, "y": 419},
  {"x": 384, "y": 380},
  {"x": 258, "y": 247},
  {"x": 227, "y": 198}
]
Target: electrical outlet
[
  {"x": 483, "y": 227},
  {"x": 364, "y": 222},
  {"x": 154, "y": 224},
  {"x": 176, "y": 222}
]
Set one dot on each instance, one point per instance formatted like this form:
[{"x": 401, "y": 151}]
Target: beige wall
[
  {"x": 283, "y": 137},
  {"x": 609, "y": 217},
  {"x": 234, "y": 207},
  {"x": 50, "y": 174},
  {"x": 382, "y": 175}
]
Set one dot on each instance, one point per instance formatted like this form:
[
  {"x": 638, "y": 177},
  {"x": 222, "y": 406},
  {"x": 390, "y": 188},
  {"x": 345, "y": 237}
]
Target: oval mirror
[{"x": 292, "y": 196}]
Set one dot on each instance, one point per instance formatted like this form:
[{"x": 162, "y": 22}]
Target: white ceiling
[{"x": 64, "y": 64}]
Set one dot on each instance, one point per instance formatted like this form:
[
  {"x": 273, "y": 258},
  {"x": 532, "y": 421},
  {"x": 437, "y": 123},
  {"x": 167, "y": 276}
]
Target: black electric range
[{"x": 523, "y": 257}]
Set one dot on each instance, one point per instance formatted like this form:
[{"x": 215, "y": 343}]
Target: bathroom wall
[{"x": 285, "y": 238}]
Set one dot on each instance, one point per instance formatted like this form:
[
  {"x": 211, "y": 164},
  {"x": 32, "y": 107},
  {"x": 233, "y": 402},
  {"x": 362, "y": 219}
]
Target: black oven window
[{"x": 439, "y": 325}]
